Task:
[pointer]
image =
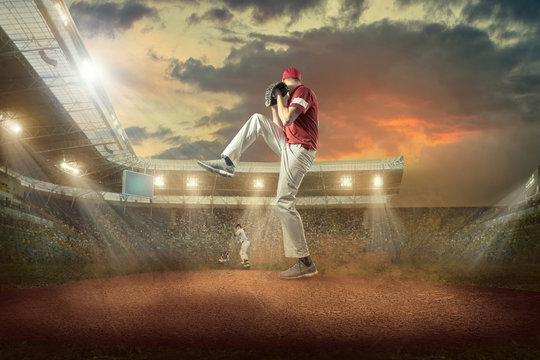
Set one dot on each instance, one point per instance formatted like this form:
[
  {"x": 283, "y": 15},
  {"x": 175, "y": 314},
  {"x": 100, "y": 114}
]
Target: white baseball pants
[
  {"x": 295, "y": 163},
  {"x": 243, "y": 250}
]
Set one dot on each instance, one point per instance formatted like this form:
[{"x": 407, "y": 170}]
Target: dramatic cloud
[
  {"x": 109, "y": 18},
  {"x": 265, "y": 10},
  {"x": 431, "y": 6},
  {"x": 350, "y": 11},
  {"x": 220, "y": 16},
  {"x": 197, "y": 150},
  {"x": 496, "y": 13},
  {"x": 137, "y": 135},
  {"x": 221, "y": 116},
  {"x": 252, "y": 61},
  {"x": 526, "y": 11},
  {"x": 429, "y": 80}
]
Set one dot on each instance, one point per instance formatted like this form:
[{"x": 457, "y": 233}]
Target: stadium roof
[
  {"x": 68, "y": 121},
  {"x": 66, "y": 116}
]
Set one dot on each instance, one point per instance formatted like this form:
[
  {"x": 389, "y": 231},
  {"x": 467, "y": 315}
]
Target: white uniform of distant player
[{"x": 241, "y": 235}]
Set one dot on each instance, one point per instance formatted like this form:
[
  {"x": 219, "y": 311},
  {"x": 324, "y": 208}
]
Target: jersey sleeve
[{"x": 302, "y": 99}]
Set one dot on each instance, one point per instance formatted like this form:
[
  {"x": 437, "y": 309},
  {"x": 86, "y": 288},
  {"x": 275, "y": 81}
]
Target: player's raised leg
[{"x": 257, "y": 125}]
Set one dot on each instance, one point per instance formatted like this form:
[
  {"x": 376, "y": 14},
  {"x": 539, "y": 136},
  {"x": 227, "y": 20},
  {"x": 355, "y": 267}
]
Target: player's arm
[
  {"x": 275, "y": 116},
  {"x": 287, "y": 115}
]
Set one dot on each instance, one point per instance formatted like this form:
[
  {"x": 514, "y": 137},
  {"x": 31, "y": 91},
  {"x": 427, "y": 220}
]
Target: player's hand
[{"x": 271, "y": 93}]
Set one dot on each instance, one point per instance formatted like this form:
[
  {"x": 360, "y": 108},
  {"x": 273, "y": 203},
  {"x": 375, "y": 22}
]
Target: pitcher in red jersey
[{"x": 293, "y": 134}]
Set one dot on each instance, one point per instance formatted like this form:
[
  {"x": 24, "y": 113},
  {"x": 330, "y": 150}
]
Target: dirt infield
[{"x": 254, "y": 309}]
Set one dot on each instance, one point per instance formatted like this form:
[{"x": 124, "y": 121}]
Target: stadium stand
[{"x": 100, "y": 231}]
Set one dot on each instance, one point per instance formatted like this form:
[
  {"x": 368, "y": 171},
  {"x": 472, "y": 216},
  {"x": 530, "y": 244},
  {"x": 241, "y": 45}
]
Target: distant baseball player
[
  {"x": 224, "y": 258},
  {"x": 293, "y": 134},
  {"x": 242, "y": 238}
]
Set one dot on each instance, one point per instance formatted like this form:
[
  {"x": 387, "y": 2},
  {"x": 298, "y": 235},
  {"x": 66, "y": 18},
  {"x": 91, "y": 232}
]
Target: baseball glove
[{"x": 269, "y": 99}]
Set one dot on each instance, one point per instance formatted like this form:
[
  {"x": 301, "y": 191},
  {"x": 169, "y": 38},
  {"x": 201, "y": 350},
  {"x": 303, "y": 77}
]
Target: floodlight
[
  {"x": 62, "y": 14},
  {"x": 159, "y": 181},
  {"x": 258, "y": 184},
  {"x": 12, "y": 126},
  {"x": 15, "y": 128},
  {"x": 530, "y": 182},
  {"x": 346, "y": 181},
  {"x": 192, "y": 182},
  {"x": 88, "y": 70},
  {"x": 115, "y": 120},
  {"x": 70, "y": 168},
  {"x": 377, "y": 181},
  {"x": 7, "y": 122}
]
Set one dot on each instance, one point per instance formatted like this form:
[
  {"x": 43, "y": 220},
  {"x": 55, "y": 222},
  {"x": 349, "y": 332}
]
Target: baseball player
[
  {"x": 224, "y": 258},
  {"x": 293, "y": 134},
  {"x": 242, "y": 238}
]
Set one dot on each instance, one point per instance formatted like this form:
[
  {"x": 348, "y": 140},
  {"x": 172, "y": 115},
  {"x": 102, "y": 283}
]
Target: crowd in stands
[
  {"x": 99, "y": 231},
  {"x": 24, "y": 241}
]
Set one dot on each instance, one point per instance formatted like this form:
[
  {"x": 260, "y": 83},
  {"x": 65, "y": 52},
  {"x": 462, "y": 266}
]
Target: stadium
[{"x": 107, "y": 253}]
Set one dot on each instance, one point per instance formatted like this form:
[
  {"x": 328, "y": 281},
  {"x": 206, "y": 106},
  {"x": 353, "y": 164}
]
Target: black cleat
[{"x": 218, "y": 166}]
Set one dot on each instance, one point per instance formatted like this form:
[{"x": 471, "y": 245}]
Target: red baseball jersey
[{"x": 305, "y": 129}]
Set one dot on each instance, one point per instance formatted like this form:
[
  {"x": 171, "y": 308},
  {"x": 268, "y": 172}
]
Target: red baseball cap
[{"x": 292, "y": 73}]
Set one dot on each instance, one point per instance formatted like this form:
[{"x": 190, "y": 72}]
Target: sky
[{"x": 453, "y": 86}]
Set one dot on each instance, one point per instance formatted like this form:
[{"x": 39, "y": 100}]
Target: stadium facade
[{"x": 73, "y": 144}]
